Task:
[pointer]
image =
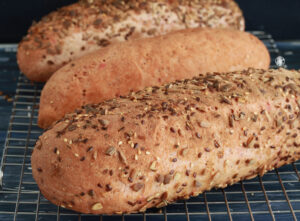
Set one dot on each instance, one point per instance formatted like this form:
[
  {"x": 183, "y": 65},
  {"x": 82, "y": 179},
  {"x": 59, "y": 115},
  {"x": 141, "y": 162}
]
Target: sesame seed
[
  {"x": 90, "y": 149},
  {"x": 187, "y": 172},
  {"x": 104, "y": 123},
  {"x": 150, "y": 198},
  {"x": 197, "y": 183},
  {"x": 177, "y": 176},
  {"x": 110, "y": 151},
  {"x": 184, "y": 151},
  {"x": 207, "y": 149},
  {"x": 108, "y": 187},
  {"x": 153, "y": 166},
  {"x": 72, "y": 127},
  {"x": 226, "y": 88},
  {"x": 225, "y": 100},
  {"x": 97, "y": 206},
  {"x": 216, "y": 143},
  {"x": 204, "y": 124},
  {"x": 242, "y": 115},
  {"x": 159, "y": 178},
  {"x": 250, "y": 141},
  {"x": 167, "y": 179},
  {"x": 230, "y": 118},
  {"x": 91, "y": 193},
  {"x": 97, "y": 22},
  {"x": 122, "y": 157},
  {"x": 95, "y": 154},
  {"x": 137, "y": 186},
  {"x": 131, "y": 203}
]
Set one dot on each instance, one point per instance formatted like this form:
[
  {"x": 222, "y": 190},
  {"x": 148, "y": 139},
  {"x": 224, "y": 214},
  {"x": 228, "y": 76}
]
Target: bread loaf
[
  {"x": 171, "y": 142},
  {"x": 83, "y": 27},
  {"x": 131, "y": 66}
]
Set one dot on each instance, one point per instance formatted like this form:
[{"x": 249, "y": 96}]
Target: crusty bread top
[
  {"x": 102, "y": 14},
  {"x": 83, "y": 27},
  {"x": 177, "y": 140}
]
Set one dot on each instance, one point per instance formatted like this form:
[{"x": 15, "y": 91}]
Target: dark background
[{"x": 281, "y": 18}]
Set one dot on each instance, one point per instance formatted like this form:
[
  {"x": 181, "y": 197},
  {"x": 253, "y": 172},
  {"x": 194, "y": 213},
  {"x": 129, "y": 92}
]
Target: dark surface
[
  {"x": 8, "y": 82},
  {"x": 279, "y": 18}
]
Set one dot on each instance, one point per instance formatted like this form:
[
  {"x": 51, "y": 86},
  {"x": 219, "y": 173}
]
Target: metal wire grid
[{"x": 275, "y": 196}]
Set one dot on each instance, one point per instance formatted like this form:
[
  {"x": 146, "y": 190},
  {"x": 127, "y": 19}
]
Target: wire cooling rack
[{"x": 275, "y": 196}]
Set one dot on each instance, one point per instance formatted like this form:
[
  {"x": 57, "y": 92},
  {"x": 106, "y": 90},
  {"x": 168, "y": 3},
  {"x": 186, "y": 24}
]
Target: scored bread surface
[
  {"x": 165, "y": 143},
  {"x": 130, "y": 66},
  {"x": 84, "y": 27}
]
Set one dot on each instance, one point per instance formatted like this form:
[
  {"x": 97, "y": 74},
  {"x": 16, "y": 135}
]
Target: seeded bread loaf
[
  {"x": 131, "y": 66},
  {"x": 83, "y": 27},
  {"x": 165, "y": 143}
]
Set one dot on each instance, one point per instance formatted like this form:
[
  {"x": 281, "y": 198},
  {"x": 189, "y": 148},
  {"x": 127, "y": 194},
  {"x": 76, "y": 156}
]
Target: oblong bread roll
[
  {"x": 165, "y": 143},
  {"x": 131, "y": 66}
]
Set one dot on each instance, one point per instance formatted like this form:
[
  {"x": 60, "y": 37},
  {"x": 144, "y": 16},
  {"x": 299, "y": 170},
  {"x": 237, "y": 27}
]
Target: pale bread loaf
[{"x": 131, "y": 66}]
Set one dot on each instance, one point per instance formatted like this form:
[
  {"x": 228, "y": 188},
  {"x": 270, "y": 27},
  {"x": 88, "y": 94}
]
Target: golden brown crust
[
  {"x": 83, "y": 27},
  {"x": 122, "y": 67},
  {"x": 175, "y": 141}
]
